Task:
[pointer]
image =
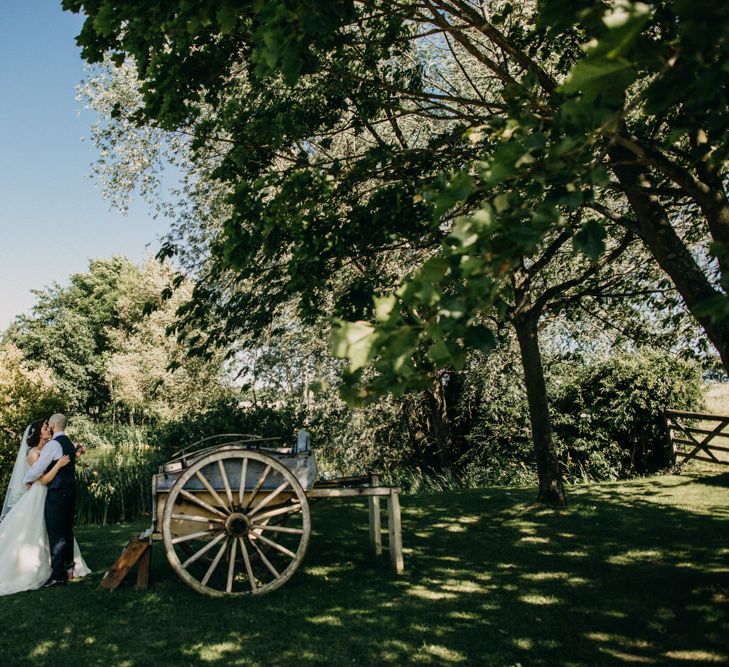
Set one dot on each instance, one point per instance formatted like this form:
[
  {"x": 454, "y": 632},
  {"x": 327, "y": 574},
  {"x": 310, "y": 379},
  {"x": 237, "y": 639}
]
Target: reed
[{"x": 114, "y": 484}]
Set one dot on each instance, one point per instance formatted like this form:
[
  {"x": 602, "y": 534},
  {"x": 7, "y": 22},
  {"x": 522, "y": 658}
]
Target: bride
[{"x": 25, "y": 557}]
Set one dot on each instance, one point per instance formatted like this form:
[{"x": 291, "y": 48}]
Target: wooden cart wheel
[{"x": 211, "y": 512}]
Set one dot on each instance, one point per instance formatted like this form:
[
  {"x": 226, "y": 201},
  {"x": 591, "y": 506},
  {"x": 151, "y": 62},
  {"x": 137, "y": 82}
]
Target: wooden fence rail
[{"x": 697, "y": 436}]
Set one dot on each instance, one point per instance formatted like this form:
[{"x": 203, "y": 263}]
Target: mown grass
[{"x": 633, "y": 572}]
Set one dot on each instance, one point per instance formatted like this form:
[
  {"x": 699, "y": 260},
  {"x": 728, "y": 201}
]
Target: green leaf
[
  {"x": 590, "y": 240},
  {"x": 480, "y": 338},
  {"x": 400, "y": 348},
  {"x": 438, "y": 353},
  {"x": 463, "y": 233},
  {"x": 452, "y": 307},
  {"x": 594, "y": 75},
  {"x": 450, "y": 192},
  {"x": 384, "y": 306},
  {"x": 353, "y": 341},
  {"x": 227, "y": 17},
  {"x": 457, "y": 354},
  {"x": 434, "y": 269}
]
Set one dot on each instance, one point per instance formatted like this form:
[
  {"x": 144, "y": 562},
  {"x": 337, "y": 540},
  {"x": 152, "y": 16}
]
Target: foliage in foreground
[{"x": 594, "y": 121}]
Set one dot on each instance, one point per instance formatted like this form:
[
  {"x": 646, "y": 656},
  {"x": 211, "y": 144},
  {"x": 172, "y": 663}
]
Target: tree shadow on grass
[{"x": 621, "y": 576}]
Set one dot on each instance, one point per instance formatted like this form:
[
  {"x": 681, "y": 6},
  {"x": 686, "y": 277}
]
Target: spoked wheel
[{"x": 225, "y": 536}]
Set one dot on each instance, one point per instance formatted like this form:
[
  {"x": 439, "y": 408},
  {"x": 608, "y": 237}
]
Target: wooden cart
[{"x": 233, "y": 512}]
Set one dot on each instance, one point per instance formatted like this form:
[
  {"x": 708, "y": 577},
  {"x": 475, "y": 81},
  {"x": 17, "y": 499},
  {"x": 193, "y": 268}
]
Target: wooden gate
[{"x": 698, "y": 436}]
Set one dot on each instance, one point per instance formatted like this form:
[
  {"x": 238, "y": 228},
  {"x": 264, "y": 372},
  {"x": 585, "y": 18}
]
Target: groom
[{"x": 60, "y": 500}]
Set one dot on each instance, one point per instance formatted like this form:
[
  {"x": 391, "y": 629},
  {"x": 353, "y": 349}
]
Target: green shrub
[
  {"x": 227, "y": 416},
  {"x": 114, "y": 476},
  {"x": 607, "y": 416},
  {"x": 353, "y": 441},
  {"x": 493, "y": 423}
]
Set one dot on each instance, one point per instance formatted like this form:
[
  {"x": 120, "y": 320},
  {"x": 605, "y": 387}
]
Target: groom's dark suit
[{"x": 59, "y": 511}]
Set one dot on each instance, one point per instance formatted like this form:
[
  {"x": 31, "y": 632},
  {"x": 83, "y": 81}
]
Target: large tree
[
  {"x": 102, "y": 337},
  {"x": 354, "y": 161}
]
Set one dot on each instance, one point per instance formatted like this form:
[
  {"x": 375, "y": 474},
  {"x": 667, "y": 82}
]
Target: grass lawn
[{"x": 634, "y": 572}]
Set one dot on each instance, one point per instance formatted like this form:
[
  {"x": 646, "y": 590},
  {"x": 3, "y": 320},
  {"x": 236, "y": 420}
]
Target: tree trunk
[
  {"x": 551, "y": 486},
  {"x": 672, "y": 255},
  {"x": 438, "y": 424}
]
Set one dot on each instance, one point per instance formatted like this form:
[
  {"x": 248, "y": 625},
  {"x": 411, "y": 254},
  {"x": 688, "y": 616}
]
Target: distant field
[{"x": 717, "y": 398}]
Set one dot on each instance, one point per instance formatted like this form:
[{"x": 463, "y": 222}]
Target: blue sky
[{"x": 53, "y": 218}]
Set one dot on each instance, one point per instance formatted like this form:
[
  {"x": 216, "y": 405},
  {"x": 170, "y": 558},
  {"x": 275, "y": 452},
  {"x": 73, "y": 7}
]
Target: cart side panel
[{"x": 303, "y": 466}]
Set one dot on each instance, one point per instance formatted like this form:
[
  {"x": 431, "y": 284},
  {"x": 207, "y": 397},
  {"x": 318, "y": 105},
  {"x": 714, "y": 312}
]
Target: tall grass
[
  {"x": 417, "y": 480},
  {"x": 113, "y": 477},
  {"x": 115, "y": 485}
]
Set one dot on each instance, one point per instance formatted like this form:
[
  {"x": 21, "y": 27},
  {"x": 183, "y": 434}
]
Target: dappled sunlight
[
  {"x": 463, "y": 615},
  {"x": 613, "y": 579},
  {"x": 430, "y": 593},
  {"x": 213, "y": 652},
  {"x": 633, "y": 555},
  {"x": 43, "y": 648},
  {"x": 698, "y": 656},
  {"x": 326, "y": 619},
  {"x": 575, "y": 554},
  {"x": 564, "y": 577},
  {"x": 533, "y": 539},
  {"x": 443, "y": 654},
  {"x": 540, "y": 600},
  {"x": 624, "y": 656},
  {"x": 463, "y": 587}
]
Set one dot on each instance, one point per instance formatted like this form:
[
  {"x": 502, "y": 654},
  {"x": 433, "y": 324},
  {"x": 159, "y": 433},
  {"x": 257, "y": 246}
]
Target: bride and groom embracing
[{"x": 37, "y": 547}]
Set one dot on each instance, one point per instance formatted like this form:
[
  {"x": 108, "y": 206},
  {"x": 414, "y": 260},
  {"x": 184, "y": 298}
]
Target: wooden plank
[
  {"x": 130, "y": 555},
  {"x": 340, "y": 481},
  {"x": 395, "y": 532},
  {"x": 703, "y": 431},
  {"x": 143, "y": 569},
  {"x": 695, "y": 415},
  {"x": 382, "y": 491},
  {"x": 375, "y": 518},
  {"x": 682, "y": 441},
  {"x": 702, "y": 458},
  {"x": 696, "y": 451}
]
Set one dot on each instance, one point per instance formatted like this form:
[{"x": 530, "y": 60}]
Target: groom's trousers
[{"x": 59, "y": 511}]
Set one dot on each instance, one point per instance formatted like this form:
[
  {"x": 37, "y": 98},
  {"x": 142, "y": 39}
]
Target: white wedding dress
[{"x": 25, "y": 554}]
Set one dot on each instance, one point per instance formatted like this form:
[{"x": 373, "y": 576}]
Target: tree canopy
[
  {"x": 442, "y": 156},
  {"x": 277, "y": 83},
  {"x": 101, "y": 355}
]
